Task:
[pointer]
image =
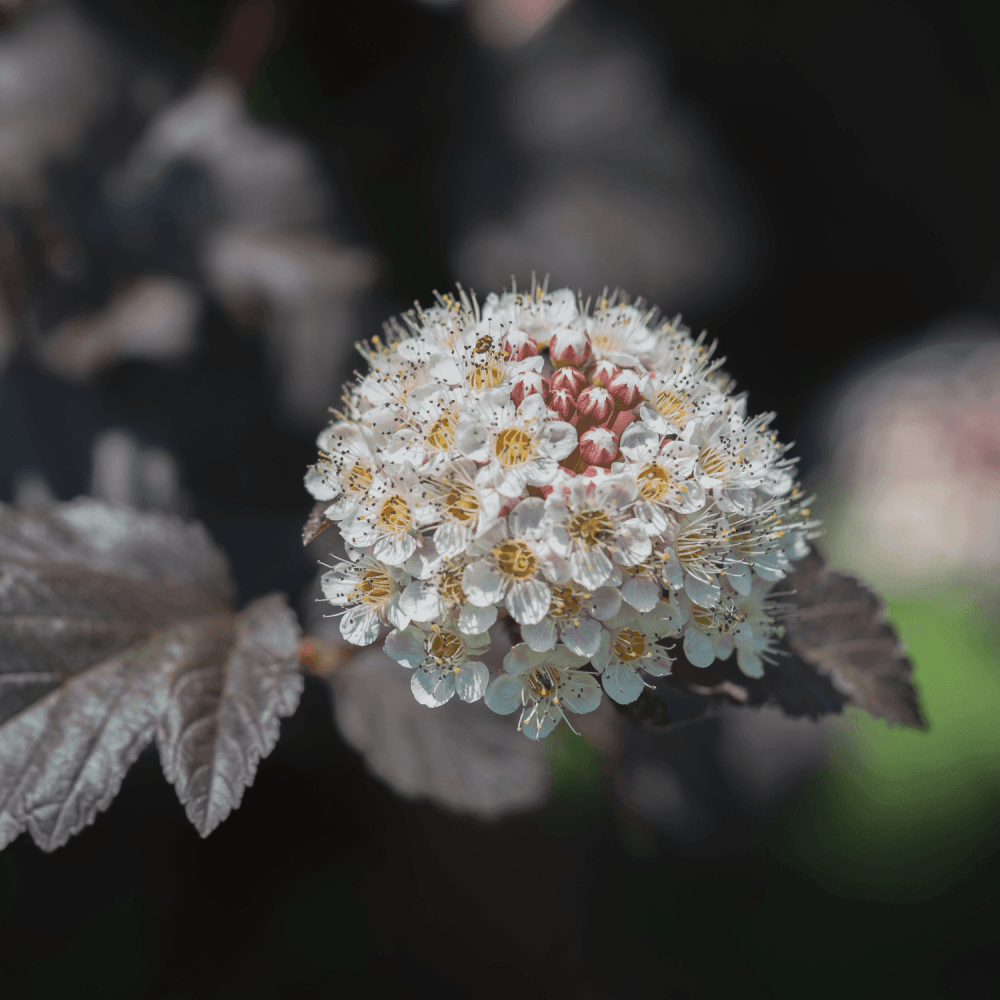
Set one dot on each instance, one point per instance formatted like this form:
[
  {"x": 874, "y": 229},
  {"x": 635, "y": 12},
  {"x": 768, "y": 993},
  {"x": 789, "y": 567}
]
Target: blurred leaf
[
  {"x": 317, "y": 523},
  {"x": 838, "y": 650},
  {"x": 460, "y": 756},
  {"x": 116, "y": 626}
]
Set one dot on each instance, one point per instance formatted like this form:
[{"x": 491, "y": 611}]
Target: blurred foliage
[{"x": 881, "y": 872}]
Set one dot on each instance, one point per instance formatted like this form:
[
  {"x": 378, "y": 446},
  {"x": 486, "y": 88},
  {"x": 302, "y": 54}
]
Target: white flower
[
  {"x": 348, "y": 471},
  {"x": 517, "y": 446},
  {"x": 463, "y": 509},
  {"x": 629, "y": 643},
  {"x": 712, "y": 632},
  {"x": 621, "y": 332},
  {"x": 371, "y": 592},
  {"x": 442, "y": 660},
  {"x": 543, "y": 686},
  {"x": 512, "y": 556},
  {"x": 593, "y": 527},
  {"x": 455, "y": 473},
  {"x": 388, "y": 522},
  {"x": 439, "y": 595},
  {"x": 664, "y": 474},
  {"x": 575, "y": 617}
]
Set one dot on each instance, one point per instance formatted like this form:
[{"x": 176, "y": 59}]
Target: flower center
[
  {"x": 395, "y": 514},
  {"x": 630, "y": 644},
  {"x": 441, "y": 436},
  {"x": 449, "y": 584},
  {"x": 358, "y": 480},
  {"x": 591, "y": 527},
  {"x": 515, "y": 559},
  {"x": 654, "y": 482},
  {"x": 461, "y": 503},
  {"x": 711, "y": 462},
  {"x": 543, "y": 681},
  {"x": 703, "y": 616},
  {"x": 485, "y": 376},
  {"x": 445, "y": 646},
  {"x": 565, "y": 603},
  {"x": 672, "y": 407},
  {"x": 690, "y": 547},
  {"x": 375, "y": 586},
  {"x": 513, "y": 446}
]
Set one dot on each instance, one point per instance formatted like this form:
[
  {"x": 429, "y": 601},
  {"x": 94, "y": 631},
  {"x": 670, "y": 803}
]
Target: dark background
[{"x": 865, "y": 139}]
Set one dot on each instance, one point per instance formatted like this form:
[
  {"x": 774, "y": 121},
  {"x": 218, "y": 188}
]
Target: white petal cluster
[{"x": 585, "y": 473}]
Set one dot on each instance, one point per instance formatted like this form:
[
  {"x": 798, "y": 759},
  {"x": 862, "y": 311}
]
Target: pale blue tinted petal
[
  {"x": 705, "y": 594},
  {"x": 474, "y": 621},
  {"x": 641, "y": 593},
  {"x": 432, "y": 686},
  {"x": 519, "y": 659},
  {"x": 740, "y": 578},
  {"x": 749, "y": 663},
  {"x": 583, "y": 639},
  {"x": 421, "y": 601},
  {"x": 622, "y": 683},
  {"x": 406, "y": 646},
  {"x": 471, "y": 681},
  {"x": 698, "y": 649},
  {"x": 503, "y": 696},
  {"x": 580, "y": 694},
  {"x": 533, "y": 731},
  {"x": 540, "y": 637}
]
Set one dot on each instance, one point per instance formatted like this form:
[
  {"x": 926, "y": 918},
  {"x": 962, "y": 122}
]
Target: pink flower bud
[
  {"x": 526, "y": 384},
  {"x": 599, "y": 446},
  {"x": 570, "y": 346},
  {"x": 595, "y": 404},
  {"x": 621, "y": 420},
  {"x": 562, "y": 402},
  {"x": 571, "y": 379},
  {"x": 602, "y": 372},
  {"x": 625, "y": 387},
  {"x": 517, "y": 345}
]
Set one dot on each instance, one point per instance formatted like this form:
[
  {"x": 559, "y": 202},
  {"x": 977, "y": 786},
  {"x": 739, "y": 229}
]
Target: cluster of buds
[{"x": 585, "y": 473}]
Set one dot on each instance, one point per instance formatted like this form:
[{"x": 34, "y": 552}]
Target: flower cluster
[{"x": 586, "y": 473}]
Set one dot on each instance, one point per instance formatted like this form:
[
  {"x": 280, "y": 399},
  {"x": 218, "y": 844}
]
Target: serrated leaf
[
  {"x": 224, "y": 706},
  {"x": 459, "y": 756},
  {"x": 838, "y": 650},
  {"x": 110, "y": 620}
]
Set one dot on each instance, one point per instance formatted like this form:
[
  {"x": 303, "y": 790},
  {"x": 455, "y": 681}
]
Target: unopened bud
[
  {"x": 595, "y": 404},
  {"x": 626, "y": 387},
  {"x": 602, "y": 372},
  {"x": 599, "y": 446},
  {"x": 562, "y": 402},
  {"x": 571, "y": 379},
  {"x": 570, "y": 346},
  {"x": 526, "y": 384},
  {"x": 517, "y": 345}
]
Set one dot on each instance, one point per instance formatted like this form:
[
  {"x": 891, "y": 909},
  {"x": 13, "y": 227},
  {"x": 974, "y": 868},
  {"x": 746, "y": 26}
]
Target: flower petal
[
  {"x": 471, "y": 681},
  {"x": 406, "y": 646},
  {"x": 583, "y": 639},
  {"x": 540, "y": 637},
  {"x": 698, "y": 648},
  {"x": 528, "y": 601},
  {"x": 703, "y": 592},
  {"x": 580, "y": 693},
  {"x": 433, "y": 686},
  {"x": 622, "y": 683},
  {"x": 590, "y": 567},
  {"x": 360, "y": 626},
  {"x": 483, "y": 584},
  {"x": 640, "y": 592},
  {"x": 503, "y": 696},
  {"x": 474, "y": 621}
]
